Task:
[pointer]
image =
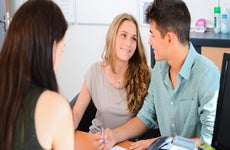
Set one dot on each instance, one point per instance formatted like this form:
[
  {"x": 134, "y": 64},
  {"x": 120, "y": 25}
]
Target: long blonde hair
[{"x": 138, "y": 72}]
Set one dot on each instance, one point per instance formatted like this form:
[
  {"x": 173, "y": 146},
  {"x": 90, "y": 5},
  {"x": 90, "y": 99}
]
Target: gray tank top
[{"x": 111, "y": 102}]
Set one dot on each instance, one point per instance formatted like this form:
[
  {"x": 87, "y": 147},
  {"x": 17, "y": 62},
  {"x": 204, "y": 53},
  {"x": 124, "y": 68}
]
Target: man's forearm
[{"x": 133, "y": 128}]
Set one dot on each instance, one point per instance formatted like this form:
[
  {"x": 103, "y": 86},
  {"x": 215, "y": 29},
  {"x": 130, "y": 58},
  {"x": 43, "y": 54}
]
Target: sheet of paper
[{"x": 118, "y": 148}]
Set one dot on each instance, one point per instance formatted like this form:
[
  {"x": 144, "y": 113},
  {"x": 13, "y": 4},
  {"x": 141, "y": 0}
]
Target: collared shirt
[{"x": 188, "y": 109}]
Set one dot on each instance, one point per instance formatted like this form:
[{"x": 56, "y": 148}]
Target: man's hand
[{"x": 142, "y": 144}]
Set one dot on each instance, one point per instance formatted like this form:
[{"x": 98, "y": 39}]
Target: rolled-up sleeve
[{"x": 147, "y": 113}]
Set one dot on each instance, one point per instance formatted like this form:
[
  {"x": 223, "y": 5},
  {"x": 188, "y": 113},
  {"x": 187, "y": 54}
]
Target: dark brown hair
[
  {"x": 27, "y": 57},
  {"x": 170, "y": 16}
]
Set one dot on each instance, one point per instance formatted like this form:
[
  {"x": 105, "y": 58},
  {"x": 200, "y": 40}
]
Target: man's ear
[{"x": 171, "y": 38}]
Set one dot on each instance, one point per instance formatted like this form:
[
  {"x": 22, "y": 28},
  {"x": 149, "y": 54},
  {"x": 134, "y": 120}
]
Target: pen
[{"x": 102, "y": 132}]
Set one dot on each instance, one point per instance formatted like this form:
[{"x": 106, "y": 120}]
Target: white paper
[
  {"x": 118, "y": 148},
  {"x": 173, "y": 147}
]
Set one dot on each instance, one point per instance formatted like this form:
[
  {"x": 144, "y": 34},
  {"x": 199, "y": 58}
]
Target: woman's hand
[
  {"x": 104, "y": 140},
  {"x": 98, "y": 141},
  {"x": 108, "y": 139}
]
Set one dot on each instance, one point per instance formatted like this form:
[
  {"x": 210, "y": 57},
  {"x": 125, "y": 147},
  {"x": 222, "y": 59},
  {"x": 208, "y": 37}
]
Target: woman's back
[{"x": 43, "y": 123}]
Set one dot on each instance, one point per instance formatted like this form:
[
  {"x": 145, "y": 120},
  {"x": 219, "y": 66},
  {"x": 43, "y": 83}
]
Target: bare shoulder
[
  {"x": 53, "y": 119},
  {"x": 54, "y": 101}
]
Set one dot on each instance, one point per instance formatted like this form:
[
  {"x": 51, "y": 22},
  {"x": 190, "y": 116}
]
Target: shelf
[{"x": 210, "y": 39}]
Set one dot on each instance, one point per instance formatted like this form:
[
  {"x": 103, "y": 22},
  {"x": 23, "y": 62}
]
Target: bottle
[
  {"x": 217, "y": 19},
  {"x": 224, "y": 20}
]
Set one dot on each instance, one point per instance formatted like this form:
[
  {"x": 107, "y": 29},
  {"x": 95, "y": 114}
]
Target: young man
[{"x": 184, "y": 86}]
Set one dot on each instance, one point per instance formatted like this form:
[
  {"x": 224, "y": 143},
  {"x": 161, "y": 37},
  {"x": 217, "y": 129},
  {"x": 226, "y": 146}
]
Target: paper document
[{"x": 118, "y": 148}]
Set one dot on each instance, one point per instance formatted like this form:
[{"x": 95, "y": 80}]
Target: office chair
[{"x": 88, "y": 116}]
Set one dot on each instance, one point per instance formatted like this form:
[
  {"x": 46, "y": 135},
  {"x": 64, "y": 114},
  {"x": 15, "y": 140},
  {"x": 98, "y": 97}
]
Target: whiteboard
[
  {"x": 103, "y": 11},
  {"x": 68, "y": 9}
]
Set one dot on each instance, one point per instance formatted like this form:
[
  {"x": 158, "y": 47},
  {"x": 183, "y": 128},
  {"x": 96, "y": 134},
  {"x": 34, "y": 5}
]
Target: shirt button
[
  {"x": 173, "y": 125},
  {"x": 171, "y": 103}
]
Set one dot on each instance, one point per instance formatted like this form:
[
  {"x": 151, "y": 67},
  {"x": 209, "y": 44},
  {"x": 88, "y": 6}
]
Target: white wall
[{"x": 85, "y": 43}]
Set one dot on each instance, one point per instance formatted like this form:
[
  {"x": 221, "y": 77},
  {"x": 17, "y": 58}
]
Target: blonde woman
[{"x": 118, "y": 84}]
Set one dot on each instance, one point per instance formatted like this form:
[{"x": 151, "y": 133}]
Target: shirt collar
[
  {"x": 188, "y": 63},
  {"x": 186, "y": 67}
]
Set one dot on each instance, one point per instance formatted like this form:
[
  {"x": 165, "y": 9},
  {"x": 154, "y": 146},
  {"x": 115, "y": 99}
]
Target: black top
[{"x": 24, "y": 136}]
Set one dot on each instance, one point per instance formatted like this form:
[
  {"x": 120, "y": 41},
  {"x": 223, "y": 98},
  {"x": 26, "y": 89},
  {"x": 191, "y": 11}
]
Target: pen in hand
[{"x": 102, "y": 132}]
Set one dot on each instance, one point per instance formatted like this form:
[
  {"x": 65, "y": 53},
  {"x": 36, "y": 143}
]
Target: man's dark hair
[{"x": 170, "y": 16}]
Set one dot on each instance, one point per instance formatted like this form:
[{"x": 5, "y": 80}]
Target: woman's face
[
  {"x": 58, "y": 52},
  {"x": 126, "y": 41}
]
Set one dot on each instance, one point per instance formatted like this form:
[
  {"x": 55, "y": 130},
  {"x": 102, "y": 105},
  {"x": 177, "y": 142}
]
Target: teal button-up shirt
[{"x": 188, "y": 109}]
